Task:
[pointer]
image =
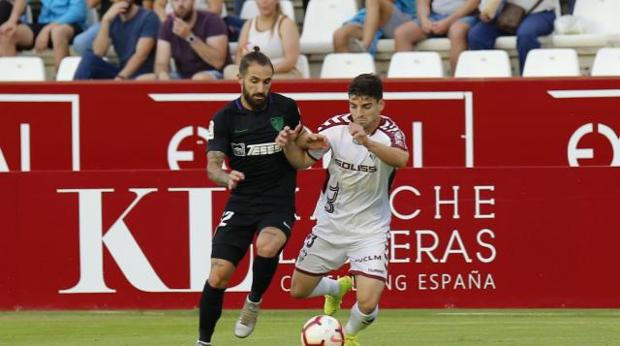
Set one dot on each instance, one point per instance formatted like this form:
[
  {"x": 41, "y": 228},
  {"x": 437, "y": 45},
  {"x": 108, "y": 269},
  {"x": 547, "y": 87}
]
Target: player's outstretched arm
[
  {"x": 395, "y": 157},
  {"x": 297, "y": 142},
  {"x": 218, "y": 175}
]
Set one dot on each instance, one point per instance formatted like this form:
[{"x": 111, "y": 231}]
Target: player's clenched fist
[
  {"x": 358, "y": 134},
  {"x": 234, "y": 177}
]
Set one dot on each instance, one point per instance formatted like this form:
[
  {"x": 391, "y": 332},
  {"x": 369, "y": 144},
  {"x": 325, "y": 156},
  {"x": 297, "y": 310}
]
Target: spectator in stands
[
  {"x": 378, "y": 19},
  {"x": 451, "y": 18},
  {"x": 163, "y": 8},
  {"x": 133, "y": 33},
  {"x": 277, "y": 37},
  {"x": 196, "y": 40},
  {"x": 536, "y": 24},
  {"x": 84, "y": 41},
  {"x": 58, "y": 22}
]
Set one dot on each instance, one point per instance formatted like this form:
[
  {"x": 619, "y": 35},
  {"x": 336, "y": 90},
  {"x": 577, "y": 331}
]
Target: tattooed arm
[{"x": 218, "y": 175}]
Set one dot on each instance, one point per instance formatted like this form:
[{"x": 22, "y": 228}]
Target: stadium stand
[
  {"x": 322, "y": 18},
  {"x": 601, "y": 25},
  {"x": 441, "y": 45},
  {"x": 555, "y": 62},
  {"x": 347, "y": 65},
  {"x": 607, "y": 62},
  {"x": 67, "y": 68},
  {"x": 22, "y": 68},
  {"x": 250, "y": 9},
  {"x": 415, "y": 65},
  {"x": 483, "y": 63}
]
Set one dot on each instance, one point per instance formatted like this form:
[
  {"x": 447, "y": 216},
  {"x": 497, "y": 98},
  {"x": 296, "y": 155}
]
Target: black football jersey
[{"x": 248, "y": 139}]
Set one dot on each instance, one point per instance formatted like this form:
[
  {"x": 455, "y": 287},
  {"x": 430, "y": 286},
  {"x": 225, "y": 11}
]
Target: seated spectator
[
  {"x": 163, "y": 8},
  {"x": 133, "y": 33},
  {"x": 536, "y": 24},
  {"x": 196, "y": 40},
  {"x": 84, "y": 41},
  {"x": 378, "y": 19},
  {"x": 277, "y": 37},
  {"x": 58, "y": 22},
  {"x": 451, "y": 18}
]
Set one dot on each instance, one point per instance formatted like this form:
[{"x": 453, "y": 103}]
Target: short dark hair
[
  {"x": 368, "y": 85},
  {"x": 255, "y": 56}
]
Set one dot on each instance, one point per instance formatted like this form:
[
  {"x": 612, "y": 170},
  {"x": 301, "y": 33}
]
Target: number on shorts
[
  {"x": 225, "y": 217},
  {"x": 310, "y": 240}
]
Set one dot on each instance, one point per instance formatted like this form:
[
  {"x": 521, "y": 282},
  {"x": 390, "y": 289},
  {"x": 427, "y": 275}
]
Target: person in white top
[
  {"x": 277, "y": 37},
  {"x": 353, "y": 212}
]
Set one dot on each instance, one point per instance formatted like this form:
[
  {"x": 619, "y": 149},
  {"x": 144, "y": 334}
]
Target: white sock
[
  {"x": 325, "y": 286},
  {"x": 358, "y": 320}
]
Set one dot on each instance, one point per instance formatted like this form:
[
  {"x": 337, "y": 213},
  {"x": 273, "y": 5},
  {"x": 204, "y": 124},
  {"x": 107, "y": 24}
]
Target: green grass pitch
[{"x": 281, "y": 328}]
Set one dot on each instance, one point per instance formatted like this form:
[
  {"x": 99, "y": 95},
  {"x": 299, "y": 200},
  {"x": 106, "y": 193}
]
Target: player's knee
[
  {"x": 217, "y": 281},
  {"x": 367, "y": 306},
  {"x": 268, "y": 250},
  {"x": 220, "y": 275}
]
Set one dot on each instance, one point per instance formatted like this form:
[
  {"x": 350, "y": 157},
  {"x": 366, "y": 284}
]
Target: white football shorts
[{"x": 368, "y": 257}]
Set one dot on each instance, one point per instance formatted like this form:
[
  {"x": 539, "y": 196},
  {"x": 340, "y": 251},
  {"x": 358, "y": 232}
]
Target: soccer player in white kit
[{"x": 353, "y": 212}]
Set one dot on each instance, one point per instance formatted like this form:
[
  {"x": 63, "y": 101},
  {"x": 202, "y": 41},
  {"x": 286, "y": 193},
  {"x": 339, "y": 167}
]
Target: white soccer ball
[{"x": 322, "y": 330}]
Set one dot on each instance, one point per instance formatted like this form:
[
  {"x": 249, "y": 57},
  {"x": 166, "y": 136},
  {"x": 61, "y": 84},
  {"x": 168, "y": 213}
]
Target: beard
[
  {"x": 185, "y": 16},
  {"x": 256, "y": 104}
]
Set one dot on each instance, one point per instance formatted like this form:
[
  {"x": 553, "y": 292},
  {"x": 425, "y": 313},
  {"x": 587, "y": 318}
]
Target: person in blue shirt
[
  {"x": 377, "y": 20},
  {"x": 58, "y": 22},
  {"x": 84, "y": 41},
  {"x": 132, "y": 30}
]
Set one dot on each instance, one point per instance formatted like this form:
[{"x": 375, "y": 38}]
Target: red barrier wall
[
  {"x": 514, "y": 237},
  {"x": 512, "y": 122},
  {"x": 99, "y": 220}
]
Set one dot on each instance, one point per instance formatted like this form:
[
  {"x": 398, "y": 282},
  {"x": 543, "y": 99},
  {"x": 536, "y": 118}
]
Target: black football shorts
[{"x": 236, "y": 231}]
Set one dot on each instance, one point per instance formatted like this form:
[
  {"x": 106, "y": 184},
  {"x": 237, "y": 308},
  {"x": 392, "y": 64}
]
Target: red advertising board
[
  {"x": 481, "y": 237},
  {"x": 448, "y": 123},
  {"x": 94, "y": 213}
]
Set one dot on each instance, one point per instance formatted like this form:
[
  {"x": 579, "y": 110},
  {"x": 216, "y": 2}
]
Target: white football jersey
[{"x": 354, "y": 202}]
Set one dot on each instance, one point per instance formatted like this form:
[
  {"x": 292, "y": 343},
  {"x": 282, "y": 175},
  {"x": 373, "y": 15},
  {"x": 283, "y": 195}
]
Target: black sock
[
  {"x": 264, "y": 268},
  {"x": 211, "y": 303}
]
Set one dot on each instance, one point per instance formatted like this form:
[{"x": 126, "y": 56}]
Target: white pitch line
[{"x": 524, "y": 313}]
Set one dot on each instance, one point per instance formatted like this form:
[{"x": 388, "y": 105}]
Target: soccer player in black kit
[{"x": 262, "y": 184}]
